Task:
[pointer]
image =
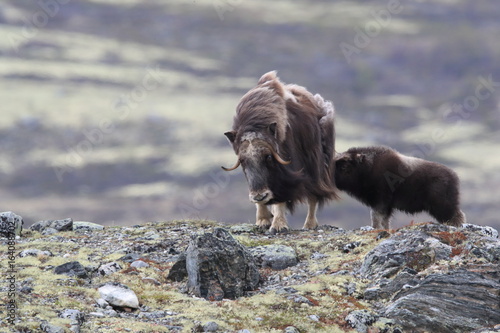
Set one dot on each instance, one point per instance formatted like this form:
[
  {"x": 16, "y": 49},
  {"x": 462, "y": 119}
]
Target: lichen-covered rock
[
  {"x": 274, "y": 256},
  {"x": 139, "y": 264},
  {"x": 49, "y": 328},
  {"x": 10, "y": 223},
  {"x": 45, "y": 227},
  {"x": 87, "y": 226},
  {"x": 243, "y": 228},
  {"x": 414, "y": 249},
  {"x": 109, "y": 268},
  {"x": 76, "y": 318},
  {"x": 178, "y": 272},
  {"x": 459, "y": 301},
  {"x": 73, "y": 268},
  {"x": 485, "y": 230},
  {"x": 34, "y": 253},
  {"x": 360, "y": 320},
  {"x": 386, "y": 288},
  {"x": 119, "y": 295},
  {"x": 219, "y": 267}
]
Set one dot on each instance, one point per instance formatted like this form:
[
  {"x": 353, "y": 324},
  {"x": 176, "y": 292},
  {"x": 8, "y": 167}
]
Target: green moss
[{"x": 249, "y": 241}]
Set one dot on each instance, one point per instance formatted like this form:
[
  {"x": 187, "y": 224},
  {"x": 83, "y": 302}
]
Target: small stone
[
  {"x": 211, "y": 326},
  {"x": 361, "y": 319},
  {"x": 151, "y": 235},
  {"x": 314, "y": 317},
  {"x": 73, "y": 268},
  {"x": 139, "y": 264},
  {"x": 286, "y": 290},
  {"x": 291, "y": 329},
  {"x": 34, "y": 253},
  {"x": 277, "y": 257},
  {"x": 243, "y": 228},
  {"x": 26, "y": 290},
  {"x": 58, "y": 225},
  {"x": 153, "y": 315},
  {"x": 151, "y": 281},
  {"x": 49, "y": 231},
  {"x": 10, "y": 223},
  {"x": 131, "y": 257},
  {"x": 96, "y": 314},
  {"x": 49, "y": 328},
  {"x": 119, "y": 295},
  {"x": 86, "y": 226},
  {"x": 317, "y": 256},
  {"x": 74, "y": 315},
  {"x": 366, "y": 228},
  {"x": 102, "y": 303},
  {"x": 300, "y": 299},
  {"x": 111, "y": 313},
  {"x": 350, "y": 246}
]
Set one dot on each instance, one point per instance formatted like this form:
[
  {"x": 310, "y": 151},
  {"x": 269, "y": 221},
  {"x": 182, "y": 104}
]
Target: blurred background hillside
[{"x": 112, "y": 111}]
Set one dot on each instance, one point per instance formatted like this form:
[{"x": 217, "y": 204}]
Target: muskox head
[
  {"x": 263, "y": 167},
  {"x": 349, "y": 168}
]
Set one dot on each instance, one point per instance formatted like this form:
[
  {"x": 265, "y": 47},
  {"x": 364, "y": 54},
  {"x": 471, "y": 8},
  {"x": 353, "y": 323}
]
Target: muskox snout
[{"x": 260, "y": 197}]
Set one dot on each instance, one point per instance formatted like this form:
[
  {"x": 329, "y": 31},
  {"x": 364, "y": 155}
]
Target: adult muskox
[
  {"x": 284, "y": 138},
  {"x": 384, "y": 180}
]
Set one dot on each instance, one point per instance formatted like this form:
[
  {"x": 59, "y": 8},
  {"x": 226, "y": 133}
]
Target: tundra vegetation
[{"x": 341, "y": 280}]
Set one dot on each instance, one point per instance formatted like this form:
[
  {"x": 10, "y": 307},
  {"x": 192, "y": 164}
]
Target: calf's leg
[{"x": 380, "y": 220}]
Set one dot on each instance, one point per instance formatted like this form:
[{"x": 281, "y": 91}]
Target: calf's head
[
  {"x": 263, "y": 168},
  {"x": 349, "y": 166}
]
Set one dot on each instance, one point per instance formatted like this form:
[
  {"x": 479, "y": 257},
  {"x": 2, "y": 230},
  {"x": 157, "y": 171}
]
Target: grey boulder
[{"x": 219, "y": 267}]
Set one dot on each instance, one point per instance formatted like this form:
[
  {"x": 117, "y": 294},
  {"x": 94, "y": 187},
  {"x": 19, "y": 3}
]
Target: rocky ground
[{"x": 203, "y": 276}]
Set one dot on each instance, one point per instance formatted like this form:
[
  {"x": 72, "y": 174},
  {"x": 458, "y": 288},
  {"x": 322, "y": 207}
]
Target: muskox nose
[{"x": 260, "y": 197}]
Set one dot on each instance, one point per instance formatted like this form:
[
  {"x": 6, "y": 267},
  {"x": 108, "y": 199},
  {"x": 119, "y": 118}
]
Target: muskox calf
[{"x": 384, "y": 180}]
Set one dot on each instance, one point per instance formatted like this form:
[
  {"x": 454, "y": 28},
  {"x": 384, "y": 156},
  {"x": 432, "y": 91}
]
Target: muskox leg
[
  {"x": 457, "y": 220},
  {"x": 311, "y": 221},
  {"x": 264, "y": 216},
  {"x": 279, "y": 221},
  {"x": 380, "y": 220}
]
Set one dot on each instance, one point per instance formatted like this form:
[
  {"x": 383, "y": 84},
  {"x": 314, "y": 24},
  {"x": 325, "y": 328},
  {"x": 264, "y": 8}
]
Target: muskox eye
[{"x": 269, "y": 158}]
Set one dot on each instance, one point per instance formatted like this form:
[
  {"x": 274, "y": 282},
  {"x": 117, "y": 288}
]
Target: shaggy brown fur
[
  {"x": 384, "y": 180},
  {"x": 284, "y": 138}
]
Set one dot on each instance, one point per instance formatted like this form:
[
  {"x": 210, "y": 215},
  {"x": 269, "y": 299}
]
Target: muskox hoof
[
  {"x": 274, "y": 231},
  {"x": 262, "y": 229},
  {"x": 309, "y": 229},
  {"x": 457, "y": 220},
  {"x": 263, "y": 224}
]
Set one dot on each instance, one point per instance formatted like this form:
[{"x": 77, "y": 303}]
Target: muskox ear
[
  {"x": 272, "y": 129},
  {"x": 359, "y": 158},
  {"x": 269, "y": 76},
  {"x": 231, "y": 136}
]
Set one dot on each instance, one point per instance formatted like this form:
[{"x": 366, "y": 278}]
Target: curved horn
[
  {"x": 279, "y": 159},
  {"x": 276, "y": 155},
  {"x": 233, "y": 167}
]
